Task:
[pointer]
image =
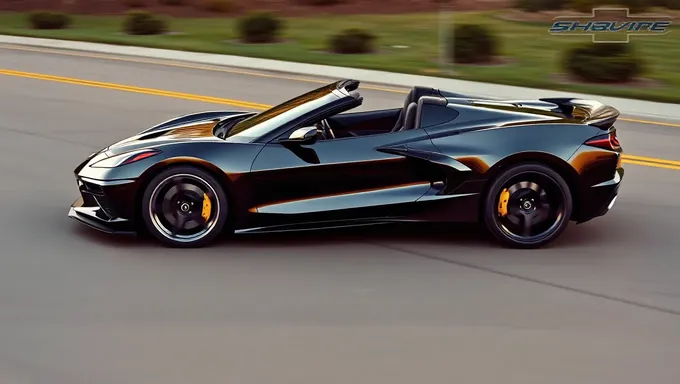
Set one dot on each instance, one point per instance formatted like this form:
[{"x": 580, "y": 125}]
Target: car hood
[
  {"x": 196, "y": 127},
  {"x": 197, "y": 131}
]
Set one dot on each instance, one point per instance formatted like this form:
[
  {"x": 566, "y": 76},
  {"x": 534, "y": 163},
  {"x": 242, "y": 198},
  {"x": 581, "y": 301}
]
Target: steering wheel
[{"x": 326, "y": 129}]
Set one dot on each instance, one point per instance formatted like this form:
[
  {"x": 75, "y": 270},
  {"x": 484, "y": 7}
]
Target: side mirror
[{"x": 301, "y": 136}]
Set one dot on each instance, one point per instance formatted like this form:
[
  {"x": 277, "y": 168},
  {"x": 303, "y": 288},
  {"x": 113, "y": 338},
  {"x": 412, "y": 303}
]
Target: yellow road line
[
  {"x": 280, "y": 76},
  {"x": 656, "y": 165},
  {"x": 128, "y": 88},
  {"x": 166, "y": 63},
  {"x": 665, "y": 124},
  {"x": 650, "y": 160},
  {"x": 630, "y": 159}
]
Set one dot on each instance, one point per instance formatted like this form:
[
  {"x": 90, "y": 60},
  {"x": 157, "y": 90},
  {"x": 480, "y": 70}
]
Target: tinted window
[{"x": 433, "y": 114}]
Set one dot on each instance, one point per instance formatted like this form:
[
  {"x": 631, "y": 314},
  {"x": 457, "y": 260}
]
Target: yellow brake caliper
[
  {"x": 207, "y": 207},
  {"x": 503, "y": 203}
]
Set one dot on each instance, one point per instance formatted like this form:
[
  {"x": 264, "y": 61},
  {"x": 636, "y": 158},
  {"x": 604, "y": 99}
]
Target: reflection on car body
[{"x": 312, "y": 163}]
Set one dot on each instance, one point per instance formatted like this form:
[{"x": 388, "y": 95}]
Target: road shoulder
[{"x": 661, "y": 111}]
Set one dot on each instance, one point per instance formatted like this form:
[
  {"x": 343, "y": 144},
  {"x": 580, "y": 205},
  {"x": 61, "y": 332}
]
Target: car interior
[{"x": 354, "y": 124}]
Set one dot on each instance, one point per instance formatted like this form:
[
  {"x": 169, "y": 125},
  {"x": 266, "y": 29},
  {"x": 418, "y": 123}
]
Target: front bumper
[
  {"x": 96, "y": 209},
  {"x": 94, "y": 217}
]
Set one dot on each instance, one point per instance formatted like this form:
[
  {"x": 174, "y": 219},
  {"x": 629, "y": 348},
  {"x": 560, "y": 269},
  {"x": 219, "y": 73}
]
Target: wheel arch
[
  {"x": 148, "y": 175},
  {"x": 563, "y": 168}
]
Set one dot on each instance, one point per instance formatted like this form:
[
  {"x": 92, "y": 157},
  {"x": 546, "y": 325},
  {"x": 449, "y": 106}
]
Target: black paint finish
[{"x": 362, "y": 168}]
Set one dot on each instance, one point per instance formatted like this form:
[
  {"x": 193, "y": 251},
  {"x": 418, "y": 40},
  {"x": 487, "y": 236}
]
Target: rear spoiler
[{"x": 589, "y": 112}]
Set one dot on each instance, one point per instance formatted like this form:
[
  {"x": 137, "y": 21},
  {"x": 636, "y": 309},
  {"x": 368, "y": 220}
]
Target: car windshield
[{"x": 272, "y": 118}]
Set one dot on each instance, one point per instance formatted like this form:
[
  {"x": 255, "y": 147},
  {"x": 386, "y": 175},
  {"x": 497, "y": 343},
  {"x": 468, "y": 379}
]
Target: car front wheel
[
  {"x": 528, "y": 206},
  {"x": 184, "y": 207}
]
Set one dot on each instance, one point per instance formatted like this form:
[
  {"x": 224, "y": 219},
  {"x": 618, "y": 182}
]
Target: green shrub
[
  {"x": 473, "y": 43},
  {"x": 635, "y": 6},
  {"x": 143, "y": 23},
  {"x": 172, "y": 2},
  {"x": 134, "y": 3},
  {"x": 585, "y": 6},
  {"x": 352, "y": 41},
  {"x": 603, "y": 63},
  {"x": 259, "y": 27},
  {"x": 222, "y": 6},
  {"x": 320, "y": 3},
  {"x": 670, "y": 4},
  {"x": 540, "y": 5},
  {"x": 49, "y": 20}
]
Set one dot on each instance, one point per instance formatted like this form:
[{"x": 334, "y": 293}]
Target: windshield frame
[{"x": 266, "y": 123}]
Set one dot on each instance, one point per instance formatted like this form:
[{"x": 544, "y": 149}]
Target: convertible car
[{"x": 524, "y": 169}]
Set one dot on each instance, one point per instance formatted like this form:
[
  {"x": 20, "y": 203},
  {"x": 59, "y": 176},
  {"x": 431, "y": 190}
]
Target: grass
[{"x": 534, "y": 55}]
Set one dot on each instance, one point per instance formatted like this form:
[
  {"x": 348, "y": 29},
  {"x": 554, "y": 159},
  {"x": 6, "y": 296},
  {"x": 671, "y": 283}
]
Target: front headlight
[{"x": 125, "y": 158}]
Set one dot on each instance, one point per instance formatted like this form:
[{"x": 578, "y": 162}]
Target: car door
[{"x": 339, "y": 179}]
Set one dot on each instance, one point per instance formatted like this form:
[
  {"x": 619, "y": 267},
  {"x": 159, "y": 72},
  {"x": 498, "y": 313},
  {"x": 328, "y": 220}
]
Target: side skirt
[{"x": 320, "y": 226}]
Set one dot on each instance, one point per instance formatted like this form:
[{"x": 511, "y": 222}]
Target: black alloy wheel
[
  {"x": 528, "y": 206},
  {"x": 184, "y": 207}
]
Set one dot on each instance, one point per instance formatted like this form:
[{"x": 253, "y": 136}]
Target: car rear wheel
[
  {"x": 184, "y": 207},
  {"x": 528, "y": 206}
]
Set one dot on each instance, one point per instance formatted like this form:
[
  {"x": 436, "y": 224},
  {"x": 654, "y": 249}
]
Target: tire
[
  {"x": 188, "y": 199},
  {"x": 535, "y": 193}
]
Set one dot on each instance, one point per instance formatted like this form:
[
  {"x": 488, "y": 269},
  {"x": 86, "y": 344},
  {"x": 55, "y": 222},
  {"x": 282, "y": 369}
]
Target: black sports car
[{"x": 523, "y": 168}]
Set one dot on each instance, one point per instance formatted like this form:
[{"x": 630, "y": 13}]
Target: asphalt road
[{"x": 388, "y": 305}]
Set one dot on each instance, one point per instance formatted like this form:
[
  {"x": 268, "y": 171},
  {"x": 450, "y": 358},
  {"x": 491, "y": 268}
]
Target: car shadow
[
  {"x": 455, "y": 235},
  {"x": 402, "y": 232},
  {"x": 462, "y": 234}
]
